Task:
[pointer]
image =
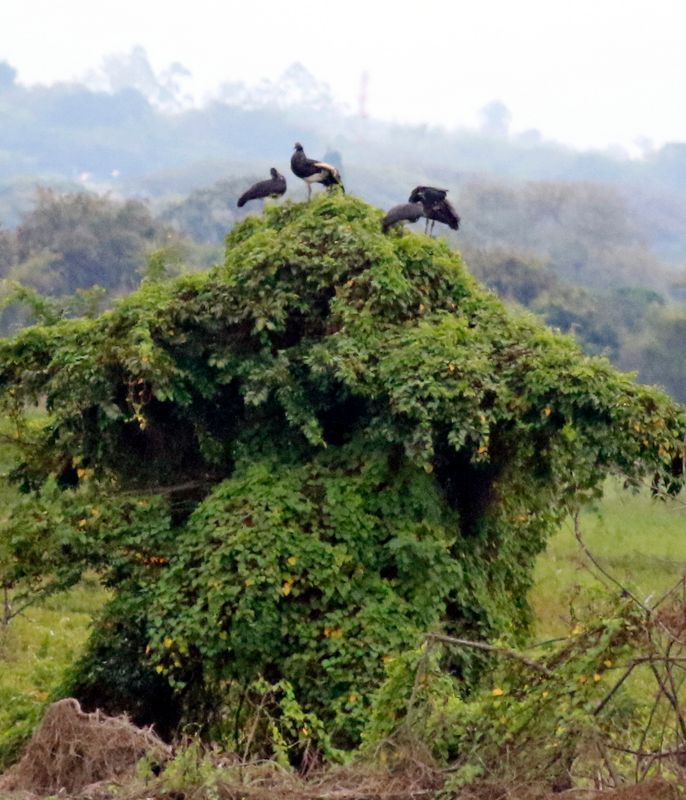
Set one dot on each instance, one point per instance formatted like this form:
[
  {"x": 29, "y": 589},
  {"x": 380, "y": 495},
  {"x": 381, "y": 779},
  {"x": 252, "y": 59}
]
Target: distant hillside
[{"x": 136, "y": 139}]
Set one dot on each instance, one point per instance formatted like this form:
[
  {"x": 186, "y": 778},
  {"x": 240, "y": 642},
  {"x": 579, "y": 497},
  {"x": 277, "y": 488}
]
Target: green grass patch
[
  {"x": 40, "y": 643},
  {"x": 639, "y": 540},
  {"x": 35, "y": 649}
]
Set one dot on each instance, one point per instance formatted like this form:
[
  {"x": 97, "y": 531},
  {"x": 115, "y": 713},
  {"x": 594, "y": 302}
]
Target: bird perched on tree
[
  {"x": 274, "y": 187},
  {"x": 405, "y": 212},
  {"x": 437, "y": 207},
  {"x": 312, "y": 171}
]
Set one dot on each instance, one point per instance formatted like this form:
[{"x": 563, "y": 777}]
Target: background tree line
[{"x": 594, "y": 242}]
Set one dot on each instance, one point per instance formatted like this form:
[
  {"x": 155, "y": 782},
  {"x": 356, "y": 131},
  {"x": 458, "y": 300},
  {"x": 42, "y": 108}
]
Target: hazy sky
[{"x": 588, "y": 72}]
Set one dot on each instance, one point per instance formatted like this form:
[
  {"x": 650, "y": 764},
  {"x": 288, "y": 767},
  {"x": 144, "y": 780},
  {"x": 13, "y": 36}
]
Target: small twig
[
  {"x": 545, "y": 642},
  {"x": 655, "y": 754},
  {"x": 253, "y": 730},
  {"x": 601, "y": 569},
  {"x": 646, "y": 731},
  {"x": 419, "y": 673},
  {"x": 672, "y": 700},
  {"x": 489, "y": 648},
  {"x": 601, "y": 705},
  {"x": 678, "y": 585},
  {"x": 609, "y": 766}
]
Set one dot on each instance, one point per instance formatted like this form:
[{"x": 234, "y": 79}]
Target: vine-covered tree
[{"x": 291, "y": 467}]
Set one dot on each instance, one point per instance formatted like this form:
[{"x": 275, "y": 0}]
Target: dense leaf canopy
[{"x": 294, "y": 465}]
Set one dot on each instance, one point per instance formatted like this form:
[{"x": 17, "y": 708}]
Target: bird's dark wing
[
  {"x": 405, "y": 212},
  {"x": 303, "y": 166},
  {"x": 427, "y": 194},
  {"x": 278, "y": 184},
  {"x": 261, "y": 189},
  {"x": 443, "y": 211},
  {"x": 332, "y": 176}
]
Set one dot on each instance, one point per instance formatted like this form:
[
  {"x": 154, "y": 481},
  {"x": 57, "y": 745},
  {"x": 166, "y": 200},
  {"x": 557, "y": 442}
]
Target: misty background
[{"x": 121, "y": 176}]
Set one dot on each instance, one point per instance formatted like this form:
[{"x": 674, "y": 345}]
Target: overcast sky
[{"x": 588, "y": 72}]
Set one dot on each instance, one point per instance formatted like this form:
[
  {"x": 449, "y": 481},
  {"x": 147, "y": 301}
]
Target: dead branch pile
[{"x": 72, "y": 749}]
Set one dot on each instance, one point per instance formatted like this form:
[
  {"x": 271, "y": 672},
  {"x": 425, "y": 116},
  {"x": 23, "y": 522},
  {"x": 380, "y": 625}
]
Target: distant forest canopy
[{"x": 593, "y": 242}]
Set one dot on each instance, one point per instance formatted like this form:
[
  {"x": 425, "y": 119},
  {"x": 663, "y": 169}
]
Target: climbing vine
[{"x": 306, "y": 459}]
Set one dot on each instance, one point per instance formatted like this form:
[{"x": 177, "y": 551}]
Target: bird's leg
[
  {"x": 433, "y": 222},
  {"x": 309, "y": 192},
  {"x": 426, "y": 226}
]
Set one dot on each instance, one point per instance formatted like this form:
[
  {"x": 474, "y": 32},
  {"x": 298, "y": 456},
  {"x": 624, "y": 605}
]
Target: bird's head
[
  {"x": 298, "y": 147},
  {"x": 274, "y": 173}
]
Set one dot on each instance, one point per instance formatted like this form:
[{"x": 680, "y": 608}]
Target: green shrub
[{"x": 308, "y": 457}]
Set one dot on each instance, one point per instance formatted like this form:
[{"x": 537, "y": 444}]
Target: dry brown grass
[{"x": 71, "y": 750}]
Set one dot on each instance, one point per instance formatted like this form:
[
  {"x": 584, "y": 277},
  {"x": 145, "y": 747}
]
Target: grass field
[
  {"x": 39, "y": 644},
  {"x": 638, "y": 540},
  {"x": 35, "y": 650}
]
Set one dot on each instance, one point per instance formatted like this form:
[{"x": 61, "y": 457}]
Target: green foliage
[
  {"x": 72, "y": 241},
  {"x": 335, "y": 565},
  {"x": 305, "y": 459},
  {"x": 653, "y": 351},
  {"x": 531, "y": 719}
]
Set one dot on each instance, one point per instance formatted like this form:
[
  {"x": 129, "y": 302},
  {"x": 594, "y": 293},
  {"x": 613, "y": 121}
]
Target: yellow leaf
[
  {"x": 352, "y": 698},
  {"x": 292, "y": 560},
  {"x": 577, "y": 630},
  {"x": 607, "y": 663},
  {"x": 249, "y": 581},
  {"x": 547, "y": 411},
  {"x": 83, "y": 523},
  {"x": 168, "y": 641},
  {"x": 159, "y": 668},
  {"x": 286, "y": 588},
  {"x": 428, "y": 468},
  {"x": 597, "y": 677},
  {"x": 497, "y": 692}
]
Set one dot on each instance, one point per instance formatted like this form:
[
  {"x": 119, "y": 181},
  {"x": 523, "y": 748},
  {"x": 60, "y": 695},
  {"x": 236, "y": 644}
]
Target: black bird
[
  {"x": 274, "y": 187},
  {"x": 312, "y": 171},
  {"x": 405, "y": 212},
  {"x": 437, "y": 207}
]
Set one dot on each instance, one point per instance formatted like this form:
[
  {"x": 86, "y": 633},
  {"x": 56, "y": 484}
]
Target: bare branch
[
  {"x": 502, "y": 651},
  {"x": 601, "y": 569}
]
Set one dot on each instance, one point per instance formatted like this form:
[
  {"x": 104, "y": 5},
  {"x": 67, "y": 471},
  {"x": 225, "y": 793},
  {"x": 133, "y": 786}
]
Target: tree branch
[{"x": 489, "y": 648}]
